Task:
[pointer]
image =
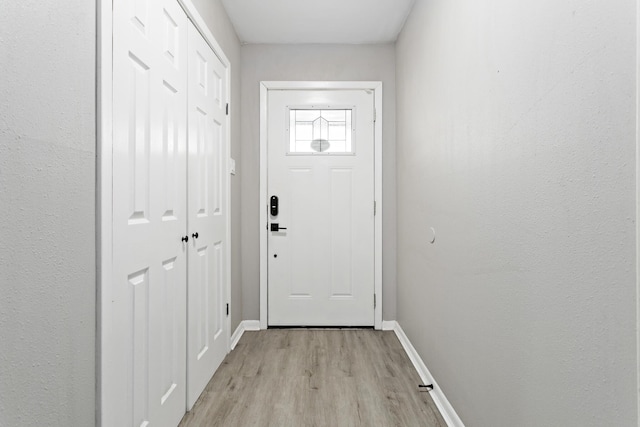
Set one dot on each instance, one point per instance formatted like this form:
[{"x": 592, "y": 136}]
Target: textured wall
[
  {"x": 218, "y": 22},
  {"x": 516, "y": 141},
  {"x": 47, "y": 206},
  {"x": 313, "y": 62}
]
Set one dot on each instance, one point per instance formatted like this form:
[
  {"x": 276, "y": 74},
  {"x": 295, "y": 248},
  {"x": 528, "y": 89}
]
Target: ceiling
[{"x": 318, "y": 21}]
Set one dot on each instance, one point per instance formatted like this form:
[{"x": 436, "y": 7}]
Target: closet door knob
[
  {"x": 185, "y": 239},
  {"x": 195, "y": 235}
]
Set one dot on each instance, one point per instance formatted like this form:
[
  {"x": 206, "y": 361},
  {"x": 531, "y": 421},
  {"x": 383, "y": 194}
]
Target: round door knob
[
  {"x": 195, "y": 235},
  {"x": 185, "y": 239}
]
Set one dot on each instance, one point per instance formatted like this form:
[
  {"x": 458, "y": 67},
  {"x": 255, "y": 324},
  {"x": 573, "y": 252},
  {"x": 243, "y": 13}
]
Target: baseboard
[
  {"x": 251, "y": 325},
  {"x": 389, "y": 325},
  {"x": 237, "y": 334},
  {"x": 245, "y": 325},
  {"x": 446, "y": 410}
]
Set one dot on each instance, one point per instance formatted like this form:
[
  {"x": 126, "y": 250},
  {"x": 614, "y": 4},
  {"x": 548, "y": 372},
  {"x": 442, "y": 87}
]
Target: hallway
[
  {"x": 135, "y": 197},
  {"x": 291, "y": 377}
]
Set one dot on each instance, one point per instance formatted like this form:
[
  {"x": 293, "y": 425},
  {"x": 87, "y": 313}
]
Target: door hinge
[
  {"x": 227, "y": 309},
  {"x": 375, "y": 208},
  {"x": 374, "y": 301},
  {"x": 227, "y": 108}
]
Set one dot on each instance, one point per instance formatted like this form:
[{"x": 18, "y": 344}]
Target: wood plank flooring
[{"x": 312, "y": 377}]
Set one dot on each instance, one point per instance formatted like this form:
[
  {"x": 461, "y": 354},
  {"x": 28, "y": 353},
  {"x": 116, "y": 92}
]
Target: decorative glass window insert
[{"x": 321, "y": 131}]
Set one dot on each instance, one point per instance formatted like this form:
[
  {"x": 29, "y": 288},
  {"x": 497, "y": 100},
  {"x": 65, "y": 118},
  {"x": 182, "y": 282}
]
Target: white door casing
[
  {"x": 148, "y": 377},
  {"x": 321, "y": 268},
  {"x": 208, "y": 337},
  {"x": 265, "y": 88}
]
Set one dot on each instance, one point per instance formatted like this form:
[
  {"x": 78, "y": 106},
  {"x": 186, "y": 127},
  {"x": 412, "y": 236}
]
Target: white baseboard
[
  {"x": 389, "y": 325},
  {"x": 446, "y": 410},
  {"x": 245, "y": 325},
  {"x": 235, "y": 337},
  {"x": 251, "y": 325}
]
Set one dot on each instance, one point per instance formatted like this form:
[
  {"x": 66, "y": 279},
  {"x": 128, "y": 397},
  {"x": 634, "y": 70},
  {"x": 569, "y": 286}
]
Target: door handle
[
  {"x": 195, "y": 235},
  {"x": 276, "y": 227},
  {"x": 185, "y": 239}
]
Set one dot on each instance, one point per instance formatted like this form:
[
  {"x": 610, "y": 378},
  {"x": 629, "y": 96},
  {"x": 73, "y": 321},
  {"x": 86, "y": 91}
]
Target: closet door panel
[
  {"x": 207, "y": 175},
  {"x": 148, "y": 334}
]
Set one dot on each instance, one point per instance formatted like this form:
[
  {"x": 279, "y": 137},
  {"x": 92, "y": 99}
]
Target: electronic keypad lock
[{"x": 274, "y": 205}]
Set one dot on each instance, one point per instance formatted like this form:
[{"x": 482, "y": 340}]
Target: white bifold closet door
[
  {"x": 149, "y": 213},
  {"x": 168, "y": 329},
  {"x": 208, "y": 331}
]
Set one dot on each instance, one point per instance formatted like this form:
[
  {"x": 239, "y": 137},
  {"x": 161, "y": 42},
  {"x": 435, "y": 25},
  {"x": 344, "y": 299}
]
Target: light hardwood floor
[{"x": 309, "y": 377}]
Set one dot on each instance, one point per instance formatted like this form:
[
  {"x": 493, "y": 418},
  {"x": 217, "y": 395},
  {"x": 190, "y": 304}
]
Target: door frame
[
  {"x": 376, "y": 88},
  {"x": 104, "y": 189}
]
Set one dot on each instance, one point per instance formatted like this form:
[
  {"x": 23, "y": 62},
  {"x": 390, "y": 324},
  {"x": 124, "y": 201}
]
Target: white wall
[
  {"x": 516, "y": 141},
  {"x": 47, "y": 206},
  {"x": 312, "y": 62},
  {"x": 220, "y": 26}
]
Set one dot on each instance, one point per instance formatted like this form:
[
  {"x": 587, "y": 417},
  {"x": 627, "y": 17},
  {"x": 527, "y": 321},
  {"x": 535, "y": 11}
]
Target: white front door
[
  {"x": 321, "y": 170},
  {"x": 147, "y": 384},
  {"x": 208, "y": 338}
]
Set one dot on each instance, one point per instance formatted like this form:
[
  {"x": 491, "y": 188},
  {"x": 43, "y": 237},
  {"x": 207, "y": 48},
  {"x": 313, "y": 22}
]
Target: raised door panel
[
  {"x": 138, "y": 284},
  {"x": 218, "y": 296},
  {"x": 301, "y": 228},
  {"x": 340, "y": 218},
  {"x": 201, "y": 311},
  {"x": 216, "y": 161}
]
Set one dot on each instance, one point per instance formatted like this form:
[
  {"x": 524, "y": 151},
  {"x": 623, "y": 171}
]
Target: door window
[{"x": 321, "y": 131}]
